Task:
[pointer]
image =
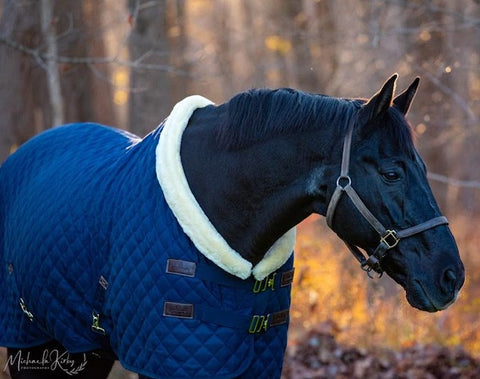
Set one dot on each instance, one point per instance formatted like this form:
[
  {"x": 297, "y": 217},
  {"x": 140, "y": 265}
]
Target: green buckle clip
[
  {"x": 96, "y": 324},
  {"x": 263, "y": 285},
  {"x": 259, "y": 324}
]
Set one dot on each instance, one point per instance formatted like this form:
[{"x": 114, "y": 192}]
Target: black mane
[{"x": 258, "y": 114}]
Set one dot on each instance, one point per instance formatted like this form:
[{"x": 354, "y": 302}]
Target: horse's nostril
[
  {"x": 449, "y": 280},
  {"x": 450, "y": 275}
]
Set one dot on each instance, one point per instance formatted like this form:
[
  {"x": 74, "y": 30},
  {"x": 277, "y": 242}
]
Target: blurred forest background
[{"x": 126, "y": 63}]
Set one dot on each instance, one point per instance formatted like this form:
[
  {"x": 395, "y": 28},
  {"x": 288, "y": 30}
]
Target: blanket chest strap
[
  {"x": 215, "y": 274},
  {"x": 253, "y": 324}
]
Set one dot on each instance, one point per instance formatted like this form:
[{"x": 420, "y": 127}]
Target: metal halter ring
[{"x": 344, "y": 177}]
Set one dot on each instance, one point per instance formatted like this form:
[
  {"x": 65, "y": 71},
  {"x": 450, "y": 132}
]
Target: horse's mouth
[{"x": 423, "y": 301}]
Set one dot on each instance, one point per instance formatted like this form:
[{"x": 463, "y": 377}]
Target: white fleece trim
[{"x": 186, "y": 209}]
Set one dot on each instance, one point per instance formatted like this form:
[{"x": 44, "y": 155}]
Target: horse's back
[
  {"x": 52, "y": 175},
  {"x": 60, "y": 148},
  {"x": 51, "y": 190}
]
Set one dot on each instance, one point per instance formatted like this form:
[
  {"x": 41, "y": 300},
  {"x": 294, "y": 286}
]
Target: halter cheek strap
[{"x": 389, "y": 238}]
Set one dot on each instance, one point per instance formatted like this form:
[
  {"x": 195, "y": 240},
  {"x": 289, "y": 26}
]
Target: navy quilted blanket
[{"x": 96, "y": 254}]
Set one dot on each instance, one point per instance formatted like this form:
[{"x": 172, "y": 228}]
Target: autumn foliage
[
  {"x": 368, "y": 313},
  {"x": 320, "y": 356}
]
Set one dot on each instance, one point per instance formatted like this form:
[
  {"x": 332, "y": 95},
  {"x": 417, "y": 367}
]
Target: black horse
[{"x": 257, "y": 166}]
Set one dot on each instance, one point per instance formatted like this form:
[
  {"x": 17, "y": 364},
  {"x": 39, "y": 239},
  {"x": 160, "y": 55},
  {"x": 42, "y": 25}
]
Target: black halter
[{"x": 389, "y": 238}]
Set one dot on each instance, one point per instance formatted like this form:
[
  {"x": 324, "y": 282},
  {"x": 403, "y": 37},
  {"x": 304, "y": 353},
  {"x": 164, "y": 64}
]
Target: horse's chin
[{"x": 419, "y": 297}]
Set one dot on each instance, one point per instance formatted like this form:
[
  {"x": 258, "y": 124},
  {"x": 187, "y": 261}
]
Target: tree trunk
[
  {"x": 150, "y": 100},
  {"x": 86, "y": 89},
  {"x": 22, "y": 80},
  {"x": 41, "y": 82},
  {"x": 53, "y": 77}
]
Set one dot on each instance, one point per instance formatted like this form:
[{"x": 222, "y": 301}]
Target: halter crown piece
[{"x": 389, "y": 238}]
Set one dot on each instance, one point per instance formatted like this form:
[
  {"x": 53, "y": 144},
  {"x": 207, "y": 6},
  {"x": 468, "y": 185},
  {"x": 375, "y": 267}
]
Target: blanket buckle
[
  {"x": 259, "y": 324},
  {"x": 96, "y": 324},
  {"x": 25, "y": 309},
  {"x": 265, "y": 284}
]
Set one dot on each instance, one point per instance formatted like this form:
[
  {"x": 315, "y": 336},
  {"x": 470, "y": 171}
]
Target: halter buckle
[{"x": 390, "y": 239}]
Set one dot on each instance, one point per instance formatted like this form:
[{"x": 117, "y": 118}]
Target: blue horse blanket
[{"x": 102, "y": 245}]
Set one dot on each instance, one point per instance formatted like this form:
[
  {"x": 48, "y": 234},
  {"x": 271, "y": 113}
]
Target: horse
[{"x": 173, "y": 253}]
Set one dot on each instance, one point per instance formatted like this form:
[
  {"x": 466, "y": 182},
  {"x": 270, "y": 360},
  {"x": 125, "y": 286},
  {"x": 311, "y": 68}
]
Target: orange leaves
[{"x": 330, "y": 286}]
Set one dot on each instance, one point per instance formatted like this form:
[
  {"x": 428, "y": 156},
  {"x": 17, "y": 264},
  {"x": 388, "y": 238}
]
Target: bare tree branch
[
  {"x": 42, "y": 58},
  {"x": 454, "y": 182}
]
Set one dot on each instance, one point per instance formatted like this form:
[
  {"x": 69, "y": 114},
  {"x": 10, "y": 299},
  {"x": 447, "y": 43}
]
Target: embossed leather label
[
  {"x": 179, "y": 310},
  {"x": 287, "y": 278},
  {"x": 279, "y": 318},
  {"x": 179, "y": 267}
]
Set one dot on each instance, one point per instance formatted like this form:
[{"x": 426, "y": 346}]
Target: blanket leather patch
[
  {"x": 287, "y": 278},
  {"x": 279, "y": 318},
  {"x": 178, "y": 310},
  {"x": 181, "y": 267}
]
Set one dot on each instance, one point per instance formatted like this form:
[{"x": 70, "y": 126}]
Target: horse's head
[{"x": 383, "y": 204}]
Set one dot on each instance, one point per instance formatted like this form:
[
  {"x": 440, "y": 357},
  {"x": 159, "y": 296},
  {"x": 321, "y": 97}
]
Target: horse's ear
[
  {"x": 404, "y": 100},
  {"x": 382, "y": 100}
]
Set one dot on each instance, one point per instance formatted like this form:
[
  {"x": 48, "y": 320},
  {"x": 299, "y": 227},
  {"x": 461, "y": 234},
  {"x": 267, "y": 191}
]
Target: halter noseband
[{"x": 389, "y": 238}]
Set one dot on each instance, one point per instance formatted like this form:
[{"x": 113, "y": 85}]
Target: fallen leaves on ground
[{"x": 320, "y": 356}]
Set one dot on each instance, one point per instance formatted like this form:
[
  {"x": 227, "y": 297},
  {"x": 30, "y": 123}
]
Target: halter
[{"x": 389, "y": 238}]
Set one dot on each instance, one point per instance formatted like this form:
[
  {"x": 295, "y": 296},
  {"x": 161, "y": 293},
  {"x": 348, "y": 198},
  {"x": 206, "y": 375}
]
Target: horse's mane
[{"x": 258, "y": 114}]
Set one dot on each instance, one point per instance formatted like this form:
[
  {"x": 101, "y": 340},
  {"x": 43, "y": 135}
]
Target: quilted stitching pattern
[
  {"x": 88, "y": 203},
  {"x": 51, "y": 235}
]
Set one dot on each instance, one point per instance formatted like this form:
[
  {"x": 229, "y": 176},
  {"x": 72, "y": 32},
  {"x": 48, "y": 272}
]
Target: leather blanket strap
[{"x": 254, "y": 323}]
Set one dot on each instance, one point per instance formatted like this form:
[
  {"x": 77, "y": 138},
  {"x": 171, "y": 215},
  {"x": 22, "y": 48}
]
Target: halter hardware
[
  {"x": 344, "y": 178},
  {"x": 368, "y": 269},
  {"x": 389, "y": 238}
]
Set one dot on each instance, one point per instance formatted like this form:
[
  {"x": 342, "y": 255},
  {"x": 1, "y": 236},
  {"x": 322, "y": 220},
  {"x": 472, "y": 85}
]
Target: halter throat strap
[{"x": 389, "y": 238}]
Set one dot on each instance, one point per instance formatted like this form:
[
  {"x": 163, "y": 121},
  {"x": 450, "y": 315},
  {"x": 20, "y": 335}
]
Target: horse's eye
[{"x": 391, "y": 175}]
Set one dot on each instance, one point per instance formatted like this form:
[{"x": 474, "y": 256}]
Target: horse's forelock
[
  {"x": 394, "y": 125},
  {"x": 401, "y": 132}
]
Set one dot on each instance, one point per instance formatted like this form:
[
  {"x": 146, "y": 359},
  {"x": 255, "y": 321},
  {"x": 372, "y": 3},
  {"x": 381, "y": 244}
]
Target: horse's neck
[{"x": 255, "y": 195}]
